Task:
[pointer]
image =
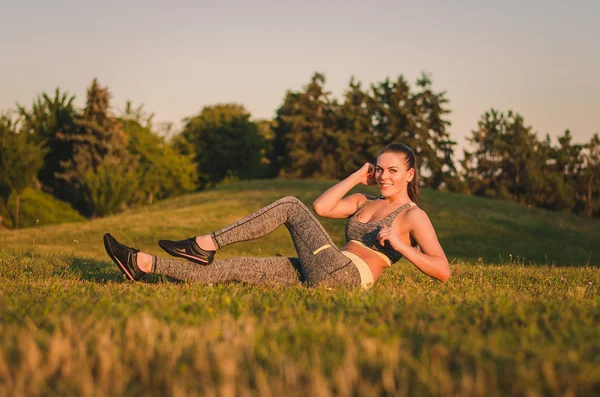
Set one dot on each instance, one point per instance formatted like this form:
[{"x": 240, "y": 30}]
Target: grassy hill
[
  {"x": 468, "y": 227},
  {"x": 71, "y": 325},
  {"x": 41, "y": 207}
]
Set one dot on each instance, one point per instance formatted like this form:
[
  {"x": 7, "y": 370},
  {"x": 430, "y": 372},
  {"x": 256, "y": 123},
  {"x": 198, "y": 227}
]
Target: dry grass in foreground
[{"x": 73, "y": 326}]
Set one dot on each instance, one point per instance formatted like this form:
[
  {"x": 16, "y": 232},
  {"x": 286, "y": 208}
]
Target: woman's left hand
[{"x": 388, "y": 234}]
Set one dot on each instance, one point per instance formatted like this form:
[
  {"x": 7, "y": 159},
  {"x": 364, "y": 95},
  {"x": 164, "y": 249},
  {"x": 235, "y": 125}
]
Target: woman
[{"x": 380, "y": 231}]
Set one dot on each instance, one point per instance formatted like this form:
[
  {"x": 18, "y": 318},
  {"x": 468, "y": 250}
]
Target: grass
[
  {"x": 35, "y": 206},
  {"x": 524, "y": 324}
]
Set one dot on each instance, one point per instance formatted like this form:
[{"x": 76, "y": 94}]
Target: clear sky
[{"x": 539, "y": 58}]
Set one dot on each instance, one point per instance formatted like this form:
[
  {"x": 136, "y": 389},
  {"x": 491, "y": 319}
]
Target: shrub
[{"x": 108, "y": 189}]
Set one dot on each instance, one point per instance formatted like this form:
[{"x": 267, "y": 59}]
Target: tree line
[
  {"x": 103, "y": 161},
  {"x": 508, "y": 161},
  {"x": 316, "y": 136},
  {"x": 99, "y": 162}
]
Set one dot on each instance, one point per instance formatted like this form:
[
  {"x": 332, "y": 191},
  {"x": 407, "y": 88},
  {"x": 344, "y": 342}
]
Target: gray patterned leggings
[{"x": 318, "y": 262}]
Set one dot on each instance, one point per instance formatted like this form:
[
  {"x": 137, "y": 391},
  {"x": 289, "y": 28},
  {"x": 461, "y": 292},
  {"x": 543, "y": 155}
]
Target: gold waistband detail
[
  {"x": 321, "y": 249},
  {"x": 366, "y": 277},
  {"x": 381, "y": 254}
]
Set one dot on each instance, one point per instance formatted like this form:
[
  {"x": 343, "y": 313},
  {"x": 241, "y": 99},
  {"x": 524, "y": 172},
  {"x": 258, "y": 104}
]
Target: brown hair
[{"x": 413, "y": 189}]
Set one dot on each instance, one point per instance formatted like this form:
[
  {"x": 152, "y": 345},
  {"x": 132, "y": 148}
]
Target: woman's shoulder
[
  {"x": 368, "y": 197},
  {"x": 360, "y": 200},
  {"x": 364, "y": 199},
  {"x": 410, "y": 212},
  {"x": 416, "y": 216}
]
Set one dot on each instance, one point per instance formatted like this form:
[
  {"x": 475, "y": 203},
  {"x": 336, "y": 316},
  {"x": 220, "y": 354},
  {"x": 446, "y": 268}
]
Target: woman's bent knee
[{"x": 291, "y": 199}]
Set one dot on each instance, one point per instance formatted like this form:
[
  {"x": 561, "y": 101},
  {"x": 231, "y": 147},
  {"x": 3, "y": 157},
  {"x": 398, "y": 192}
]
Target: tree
[
  {"x": 20, "y": 158},
  {"x": 355, "y": 132},
  {"x": 224, "y": 143},
  {"x": 279, "y": 155},
  {"x": 518, "y": 146},
  {"x": 547, "y": 183},
  {"x": 161, "y": 171},
  {"x": 417, "y": 120},
  {"x": 305, "y": 133},
  {"x": 435, "y": 138},
  {"x": 49, "y": 121},
  {"x": 588, "y": 184},
  {"x": 317, "y": 137},
  {"x": 510, "y": 162},
  {"x": 98, "y": 141},
  {"x": 265, "y": 129},
  {"x": 395, "y": 117},
  {"x": 108, "y": 187},
  {"x": 136, "y": 115},
  {"x": 483, "y": 166}
]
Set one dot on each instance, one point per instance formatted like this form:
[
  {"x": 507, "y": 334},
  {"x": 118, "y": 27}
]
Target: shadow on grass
[{"x": 107, "y": 272}]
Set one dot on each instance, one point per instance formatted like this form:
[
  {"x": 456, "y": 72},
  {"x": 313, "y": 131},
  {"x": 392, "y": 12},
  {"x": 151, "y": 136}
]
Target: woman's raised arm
[{"x": 332, "y": 204}]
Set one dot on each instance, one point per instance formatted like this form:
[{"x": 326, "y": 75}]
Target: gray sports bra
[{"x": 366, "y": 232}]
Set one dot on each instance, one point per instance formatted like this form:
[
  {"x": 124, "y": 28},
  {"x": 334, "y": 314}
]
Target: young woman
[{"x": 379, "y": 231}]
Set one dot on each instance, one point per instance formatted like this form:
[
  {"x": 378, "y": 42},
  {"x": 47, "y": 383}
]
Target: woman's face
[{"x": 392, "y": 174}]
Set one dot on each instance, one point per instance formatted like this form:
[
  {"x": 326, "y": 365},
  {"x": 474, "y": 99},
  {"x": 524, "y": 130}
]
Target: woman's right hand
[{"x": 367, "y": 174}]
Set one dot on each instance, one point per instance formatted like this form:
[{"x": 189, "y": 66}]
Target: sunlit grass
[{"x": 71, "y": 325}]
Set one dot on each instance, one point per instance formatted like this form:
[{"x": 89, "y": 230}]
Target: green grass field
[{"x": 519, "y": 316}]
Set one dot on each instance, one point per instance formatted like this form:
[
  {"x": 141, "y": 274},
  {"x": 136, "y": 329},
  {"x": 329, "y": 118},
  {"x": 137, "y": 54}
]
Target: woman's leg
[
  {"x": 321, "y": 261},
  {"x": 277, "y": 270},
  {"x": 135, "y": 265}
]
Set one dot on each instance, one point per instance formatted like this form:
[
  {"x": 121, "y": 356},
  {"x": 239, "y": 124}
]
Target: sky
[{"x": 538, "y": 58}]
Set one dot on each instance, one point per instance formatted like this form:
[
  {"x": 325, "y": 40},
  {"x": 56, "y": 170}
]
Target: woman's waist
[{"x": 377, "y": 261}]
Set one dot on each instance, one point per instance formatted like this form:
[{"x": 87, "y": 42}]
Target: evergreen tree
[
  {"x": 510, "y": 162},
  {"x": 355, "y": 132},
  {"x": 417, "y": 120},
  {"x": 266, "y": 131},
  {"x": 20, "y": 158},
  {"x": 548, "y": 186},
  {"x": 567, "y": 156},
  {"x": 306, "y": 128},
  {"x": 401, "y": 116},
  {"x": 432, "y": 126},
  {"x": 98, "y": 141},
  {"x": 279, "y": 158},
  {"x": 395, "y": 118},
  {"x": 470, "y": 174},
  {"x": 588, "y": 183},
  {"x": 317, "y": 137},
  {"x": 560, "y": 171},
  {"x": 518, "y": 146},
  {"x": 507, "y": 158},
  {"x": 483, "y": 165},
  {"x": 99, "y": 135}
]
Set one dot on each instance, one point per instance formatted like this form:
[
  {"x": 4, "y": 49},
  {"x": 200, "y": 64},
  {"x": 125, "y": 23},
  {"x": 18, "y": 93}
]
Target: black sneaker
[
  {"x": 189, "y": 250},
  {"x": 124, "y": 256}
]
